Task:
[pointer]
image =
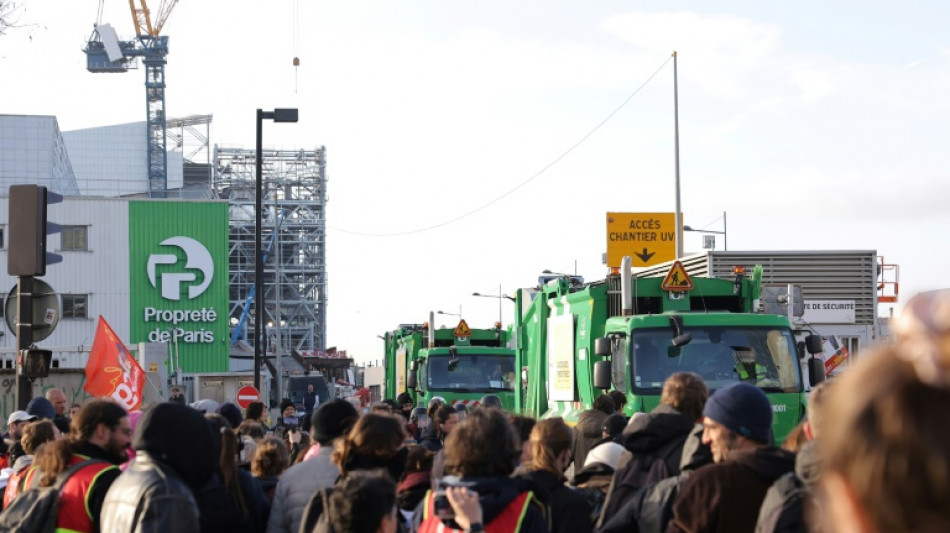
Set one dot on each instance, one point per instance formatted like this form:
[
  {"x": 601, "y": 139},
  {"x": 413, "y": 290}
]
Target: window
[
  {"x": 74, "y": 305},
  {"x": 74, "y": 238}
]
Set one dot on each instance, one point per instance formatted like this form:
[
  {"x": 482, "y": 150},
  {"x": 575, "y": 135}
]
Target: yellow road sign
[
  {"x": 677, "y": 279},
  {"x": 648, "y": 238},
  {"x": 462, "y": 330}
]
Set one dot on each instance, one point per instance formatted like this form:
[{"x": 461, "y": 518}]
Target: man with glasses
[{"x": 100, "y": 434}]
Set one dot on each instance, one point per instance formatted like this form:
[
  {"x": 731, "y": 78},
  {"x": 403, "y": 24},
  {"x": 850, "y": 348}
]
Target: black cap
[{"x": 332, "y": 419}]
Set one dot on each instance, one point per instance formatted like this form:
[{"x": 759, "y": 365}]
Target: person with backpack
[
  {"x": 35, "y": 434},
  {"x": 654, "y": 441},
  {"x": 481, "y": 454},
  {"x": 98, "y": 439},
  {"x": 330, "y": 422},
  {"x": 550, "y": 443},
  {"x": 174, "y": 456},
  {"x": 726, "y": 496},
  {"x": 650, "y": 509},
  {"x": 783, "y": 509}
]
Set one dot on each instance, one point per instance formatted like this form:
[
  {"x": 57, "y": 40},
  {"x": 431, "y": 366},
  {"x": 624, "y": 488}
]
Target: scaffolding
[
  {"x": 191, "y": 136},
  {"x": 295, "y": 274}
]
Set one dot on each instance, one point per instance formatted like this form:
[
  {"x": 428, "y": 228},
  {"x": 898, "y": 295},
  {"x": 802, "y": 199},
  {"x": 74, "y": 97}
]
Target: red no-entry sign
[{"x": 247, "y": 395}]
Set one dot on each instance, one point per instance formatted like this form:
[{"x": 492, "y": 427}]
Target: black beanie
[
  {"x": 742, "y": 409},
  {"x": 332, "y": 419}
]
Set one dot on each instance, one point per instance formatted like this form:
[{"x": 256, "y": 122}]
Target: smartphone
[
  {"x": 443, "y": 509},
  {"x": 290, "y": 422}
]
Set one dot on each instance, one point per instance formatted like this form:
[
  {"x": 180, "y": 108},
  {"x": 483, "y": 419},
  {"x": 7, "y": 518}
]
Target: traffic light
[
  {"x": 36, "y": 362},
  {"x": 26, "y": 254}
]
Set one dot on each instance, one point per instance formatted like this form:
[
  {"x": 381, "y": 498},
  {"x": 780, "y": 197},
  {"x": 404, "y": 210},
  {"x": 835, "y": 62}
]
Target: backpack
[
  {"x": 316, "y": 516},
  {"x": 783, "y": 509},
  {"x": 642, "y": 470},
  {"x": 37, "y": 510}
]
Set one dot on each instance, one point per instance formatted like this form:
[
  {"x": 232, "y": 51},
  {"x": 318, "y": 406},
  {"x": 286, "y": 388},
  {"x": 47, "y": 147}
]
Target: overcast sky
[{"x": 814, "y": 126}]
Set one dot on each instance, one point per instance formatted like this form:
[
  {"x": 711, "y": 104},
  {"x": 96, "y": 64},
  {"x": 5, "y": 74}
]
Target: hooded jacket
[
  {"x": 783, "y": 509},
  {"x": 661, "y": 433},
  {"x": 587, "y": 432},
  {"x": 727, "y": 496},
  {"x": 175, "y": 455},
  {"x": 494, "y": 495},
  {"x": 650, "y": 509}
]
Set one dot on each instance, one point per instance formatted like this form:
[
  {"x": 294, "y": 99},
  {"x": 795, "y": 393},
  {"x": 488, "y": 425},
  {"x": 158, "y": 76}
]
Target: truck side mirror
[
  {"x": 411, "y": 380},
  {"x": 816, "y": 371},
  {"x": 813, "y": 344},
  {"x": 800, "y": 349},
  {"x": 602, "y": 375},
  {"x": 602, "y": 346}
]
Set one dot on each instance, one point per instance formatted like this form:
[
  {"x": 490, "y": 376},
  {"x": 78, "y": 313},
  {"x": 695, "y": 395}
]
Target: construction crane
[{"x": 105, "y": 53}]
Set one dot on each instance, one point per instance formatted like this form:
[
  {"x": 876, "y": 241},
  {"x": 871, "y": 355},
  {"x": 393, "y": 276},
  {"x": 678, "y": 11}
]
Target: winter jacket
[
  {"x": 726, "y": 497},
  {"x": 650, "y": 509},
  {"x": 494, "y": 495},
  {"x": 587, "y": 432},
  {"x": 412, "y": 489},
  {"x": 659, "y": 435},
  {"x": 149, "y": 497},
  {"x": 297, "y": 484},
  {"x": 568, "y": 510}
]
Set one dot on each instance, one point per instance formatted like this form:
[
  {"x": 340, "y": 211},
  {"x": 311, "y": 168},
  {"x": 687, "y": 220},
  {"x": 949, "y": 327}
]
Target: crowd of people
[{"x": 871, "y": 456}]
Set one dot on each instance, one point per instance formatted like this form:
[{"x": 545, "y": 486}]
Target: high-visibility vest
[
  {"x": 74, "y": 513},
  {"x": 507, "y": 521}
]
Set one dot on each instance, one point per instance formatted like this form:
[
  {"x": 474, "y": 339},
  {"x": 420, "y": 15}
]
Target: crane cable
[{"x": 531, "y": 178}]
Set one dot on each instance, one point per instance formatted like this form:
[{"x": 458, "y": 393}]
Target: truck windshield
[
  {"x": 471, "y": 372},
  {"x": 761, "y": 356}
]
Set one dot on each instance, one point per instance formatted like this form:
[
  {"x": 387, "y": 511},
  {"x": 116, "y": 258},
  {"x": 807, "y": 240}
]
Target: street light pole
[
  {"x": 277, "y": 115},
  {"x": 725, "y": 241},
  {"x": 501, "y": 296}
]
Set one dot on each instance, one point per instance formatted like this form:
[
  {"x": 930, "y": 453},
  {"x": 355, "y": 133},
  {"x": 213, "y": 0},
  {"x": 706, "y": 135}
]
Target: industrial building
[{"x": 104, "y": 171}]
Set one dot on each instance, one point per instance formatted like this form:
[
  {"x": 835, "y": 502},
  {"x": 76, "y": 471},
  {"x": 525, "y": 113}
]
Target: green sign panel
[{"x": 178, "y": 266}]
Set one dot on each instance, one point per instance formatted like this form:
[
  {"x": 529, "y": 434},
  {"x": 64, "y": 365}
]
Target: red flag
[{"x": 111, "y": 371}]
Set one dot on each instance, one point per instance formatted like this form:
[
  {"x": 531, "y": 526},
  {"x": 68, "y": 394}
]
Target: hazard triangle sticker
[
  {"x": 677, "y": 279},
  {"x": 462, "y": 330}
]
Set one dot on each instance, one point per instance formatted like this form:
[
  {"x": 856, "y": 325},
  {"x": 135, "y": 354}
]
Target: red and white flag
[{"x": 111, "y": 371}]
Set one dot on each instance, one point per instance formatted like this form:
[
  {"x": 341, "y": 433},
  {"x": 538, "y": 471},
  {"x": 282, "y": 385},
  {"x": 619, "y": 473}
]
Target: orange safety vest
[
  {"x": 507, "y": 521},
  {"x": 74, "y": 513},
  {"x": 14, "y": 485}
]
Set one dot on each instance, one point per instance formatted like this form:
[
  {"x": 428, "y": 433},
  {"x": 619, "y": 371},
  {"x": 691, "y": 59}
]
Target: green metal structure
[
  {"x": 441, "y": 362},
  {"x": 565, "y": 327}
]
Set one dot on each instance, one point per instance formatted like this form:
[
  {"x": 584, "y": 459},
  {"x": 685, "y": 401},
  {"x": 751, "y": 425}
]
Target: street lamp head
[{"x": 688, "y": 228}]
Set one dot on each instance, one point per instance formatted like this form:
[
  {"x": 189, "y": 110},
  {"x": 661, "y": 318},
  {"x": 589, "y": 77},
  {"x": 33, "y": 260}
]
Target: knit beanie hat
[
  {"x": 743, "y": 409},
  {"x": 231, "y": 413},
  {"x": 332, "y": 419},
  {"x": 607, "y": 453},
  {"x": 41, "y": 408}
]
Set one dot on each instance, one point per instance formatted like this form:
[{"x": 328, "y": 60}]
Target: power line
[{"x": 511, "y": 191}]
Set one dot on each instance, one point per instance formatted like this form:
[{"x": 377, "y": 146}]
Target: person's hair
[
  {"x": 817, "y": 406},
  {"x": 54, "y": 458},
  {"x": 176, "y": 389},
  {"x": 419, "y": 459},
  {"x": 523, "y": 426},
  {"x": 303, "y": 447},
  {"x": 687, "y": 393},
  {"x": 373, "y": 435},
  {"x": 605, "y": 404},
  {"x": 383, "y": 407},
  {"x": 227, "y": 461},
  {"x": 889, "y": 440},
  {"x": 270, "y": 459},
  {"x": 619, "y": 398},
  {"x": 442, "y": 415},
  {"x": 549, "y": 439},
  {"x": 433, "y": 406},
  {"x": 484, "y": 444},
  {"x": 75, "y": 405},
  {"x": 36, "y": 434},
  {"x": 361, "y": 501},
  {"x": 795, "y": 439},
  {"x": 254, "y": 411},
  {"x": 252, "y": 429}
]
